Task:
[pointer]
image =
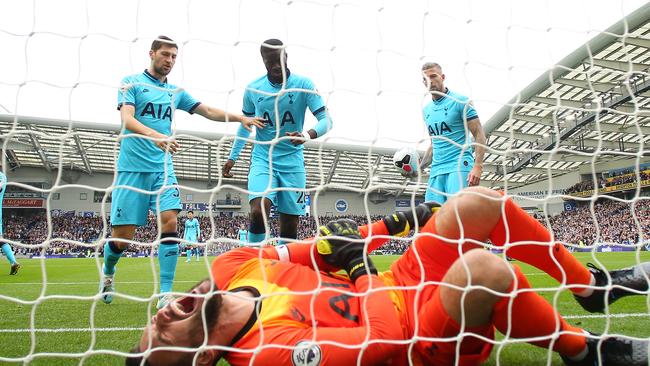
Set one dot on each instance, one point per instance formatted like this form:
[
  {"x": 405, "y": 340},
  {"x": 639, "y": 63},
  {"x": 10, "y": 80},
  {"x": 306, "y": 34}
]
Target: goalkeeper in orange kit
[{"x": 283, "y": 305}]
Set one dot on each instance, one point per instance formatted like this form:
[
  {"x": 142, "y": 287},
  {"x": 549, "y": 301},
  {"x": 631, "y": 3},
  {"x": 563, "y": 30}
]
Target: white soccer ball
[{"x": 407, "y": 160}]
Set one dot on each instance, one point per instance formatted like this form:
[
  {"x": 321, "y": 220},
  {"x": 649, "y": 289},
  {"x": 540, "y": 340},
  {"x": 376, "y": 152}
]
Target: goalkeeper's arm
[{"x": 305, "y": 252}]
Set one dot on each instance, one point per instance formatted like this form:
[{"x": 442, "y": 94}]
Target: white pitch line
[
  {"x": 57, "y": 330},
  {"x": 131, "y": 329},
  {"x": 87, "y": 283},
  {"x": 593, "y": 316}
]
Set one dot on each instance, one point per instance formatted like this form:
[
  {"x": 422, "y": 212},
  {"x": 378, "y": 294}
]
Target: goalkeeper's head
[{"x": 181, "y": 324}]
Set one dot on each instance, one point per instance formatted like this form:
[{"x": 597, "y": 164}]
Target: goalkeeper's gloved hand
[
  {"x": 401, "y": 223},
  {"x": 344, "y": 249}
]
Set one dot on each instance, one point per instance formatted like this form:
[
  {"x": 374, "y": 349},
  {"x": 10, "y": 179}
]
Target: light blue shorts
[
  {"x": 443, "y": 186},
  {"x": 131, "y": 207},
  {"x": 290, "y": 200}
]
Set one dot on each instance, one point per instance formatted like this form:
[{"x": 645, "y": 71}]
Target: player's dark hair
[
  {"x": 270, "y": 45},
  {"x": 431, "y": 65},
  {"x": 190, "y": 211},
  {"x": 162, "y": 40}
]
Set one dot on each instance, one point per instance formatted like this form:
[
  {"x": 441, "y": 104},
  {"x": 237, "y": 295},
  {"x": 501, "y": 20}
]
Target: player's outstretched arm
[{"x": 219, "y": 115}]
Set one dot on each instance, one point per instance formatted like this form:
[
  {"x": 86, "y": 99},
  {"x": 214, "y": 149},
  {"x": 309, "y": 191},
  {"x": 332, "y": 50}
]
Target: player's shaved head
[
  {"x": 163, "y": 41},
  {"x": 275, "y": 60},
  {"x": 431, "y": 65},
  {"x": 271, "y": 45}
]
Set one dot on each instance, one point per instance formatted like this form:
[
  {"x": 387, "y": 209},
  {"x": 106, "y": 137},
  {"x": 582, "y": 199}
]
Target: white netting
[{"x": 570, "y": 147}]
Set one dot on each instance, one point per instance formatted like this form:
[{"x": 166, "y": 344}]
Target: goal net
[{"x": 569, "y": 149}]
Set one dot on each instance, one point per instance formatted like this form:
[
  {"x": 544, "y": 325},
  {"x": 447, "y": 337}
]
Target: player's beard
[{"x": 161, "y": 70}]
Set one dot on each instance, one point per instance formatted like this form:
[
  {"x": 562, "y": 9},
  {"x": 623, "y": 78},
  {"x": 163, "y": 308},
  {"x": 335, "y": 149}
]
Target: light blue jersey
[
  {"x": 446, "y": 123},
  {"x": 192, "y": 230},
  {"x": 3, "y": 188},
  {"x": 260, "y": 100},
  {"x": 154, "y": 109},
  {"x": 243, "y": 235}
]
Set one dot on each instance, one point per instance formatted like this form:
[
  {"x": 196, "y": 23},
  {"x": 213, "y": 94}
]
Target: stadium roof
[
  {"x": 592, "y": 106},
  {"x": 92, "y": 147}
]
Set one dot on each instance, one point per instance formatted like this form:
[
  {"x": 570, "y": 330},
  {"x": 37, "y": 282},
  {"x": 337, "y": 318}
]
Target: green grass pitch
[{"x": 41, "y": 297}]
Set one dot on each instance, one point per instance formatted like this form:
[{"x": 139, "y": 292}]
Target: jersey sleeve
[
  {"x": 240, "y": 142},
  {"x": 339, "y": 345},
  {"x": 467, "y": 109},
  {"x": 318, "y": 109},
  {"x": 248, "y": 107},
  {"x": 126, "y": 93},
  {"x": 186, "y": 102}
]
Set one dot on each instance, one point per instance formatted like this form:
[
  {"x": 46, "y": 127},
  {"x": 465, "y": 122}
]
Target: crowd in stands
[
  {"x": 612, "y": 222},
  {"x": 621, "y": 177}
]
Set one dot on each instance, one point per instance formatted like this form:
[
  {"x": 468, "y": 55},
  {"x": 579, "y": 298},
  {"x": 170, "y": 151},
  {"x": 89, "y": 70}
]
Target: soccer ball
[{"x": 407, "y": 160}]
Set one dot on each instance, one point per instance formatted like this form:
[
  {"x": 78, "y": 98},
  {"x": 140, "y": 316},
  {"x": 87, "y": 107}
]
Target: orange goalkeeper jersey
[{"x": 307, "y": 317}]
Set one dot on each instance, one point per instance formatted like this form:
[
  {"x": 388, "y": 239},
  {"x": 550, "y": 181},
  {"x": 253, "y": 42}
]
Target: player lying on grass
[{"x": 279, "y": 305}]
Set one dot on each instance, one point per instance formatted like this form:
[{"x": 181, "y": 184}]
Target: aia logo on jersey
[
  {"x": 435, "y": 129},
  {"x": 157, "y": 111},
  {"x": 306, "y": 353},
  {"x": 287, "y": 117}
]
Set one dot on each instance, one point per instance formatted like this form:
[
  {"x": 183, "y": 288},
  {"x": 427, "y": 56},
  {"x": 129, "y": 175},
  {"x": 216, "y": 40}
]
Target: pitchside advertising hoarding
[
  {"x": 214, "y": 207},
  {"x": 23, "y": 203},
  {"x": 406, "y": 203}
]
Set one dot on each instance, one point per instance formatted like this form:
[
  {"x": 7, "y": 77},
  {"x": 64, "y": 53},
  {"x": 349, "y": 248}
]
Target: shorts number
[{"x": 301, "y": 197}]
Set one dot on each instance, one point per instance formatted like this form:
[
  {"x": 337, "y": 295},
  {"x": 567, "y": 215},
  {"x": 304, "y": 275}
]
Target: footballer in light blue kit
[
  {"x": 147, "y": 103},
  {"x": 291, "y": 94},
  {"x": 6, "y": 248},
  {"x": 192, "y": 234},
  {"x": 243, "y": 235},
  {"x": 455, "y": 162}
]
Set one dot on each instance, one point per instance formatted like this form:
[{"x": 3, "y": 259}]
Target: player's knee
[{"x": 488, "y": 270}]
